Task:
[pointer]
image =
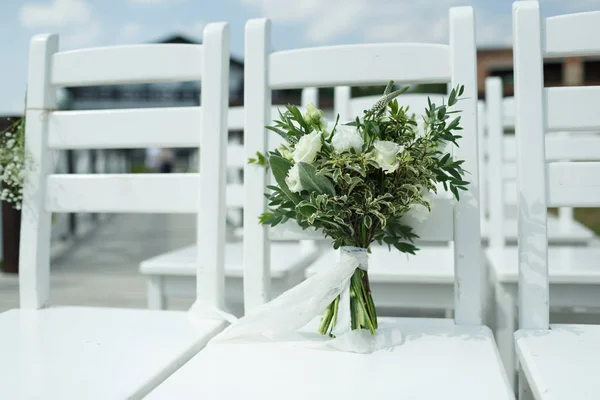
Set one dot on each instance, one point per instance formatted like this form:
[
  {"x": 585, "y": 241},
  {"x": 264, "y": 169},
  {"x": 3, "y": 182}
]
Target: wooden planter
[{"x": 11, "y": 230}]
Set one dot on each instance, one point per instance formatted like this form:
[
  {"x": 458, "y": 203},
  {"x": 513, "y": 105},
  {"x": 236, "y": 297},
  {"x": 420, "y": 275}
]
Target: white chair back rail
[
  {"x": 368, "y": 64},
  {"x": 539, "y": 110},
  {"x": 47, "y": 130}
]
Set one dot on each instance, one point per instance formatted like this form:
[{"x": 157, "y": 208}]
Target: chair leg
[
  {"x": 448, "y": 313},
  {"x": 505, "y": 329},
  {"x": 157, "y": 300}
]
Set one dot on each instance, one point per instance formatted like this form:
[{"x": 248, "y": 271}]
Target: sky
[{"x": 296, "y": 24}]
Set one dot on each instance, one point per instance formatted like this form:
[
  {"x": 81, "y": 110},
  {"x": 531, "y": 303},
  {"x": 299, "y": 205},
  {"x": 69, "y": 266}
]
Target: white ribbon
[{"x": 281, "y": 319}]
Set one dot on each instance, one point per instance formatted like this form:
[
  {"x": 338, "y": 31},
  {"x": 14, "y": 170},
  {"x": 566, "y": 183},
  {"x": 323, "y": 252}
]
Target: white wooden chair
[
  {"x": 440, "y": 358},
  {"x": 557, "y": 361},
  {"x": 172, "y": 274},
  {"x": 572, "y": 268},
  {"x": 110, "y": 353}
]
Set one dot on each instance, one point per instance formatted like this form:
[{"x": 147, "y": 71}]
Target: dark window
[{"x": 591, "y": 72}]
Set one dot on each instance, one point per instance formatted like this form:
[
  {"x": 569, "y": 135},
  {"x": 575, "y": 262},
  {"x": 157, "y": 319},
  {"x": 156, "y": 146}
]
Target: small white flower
[
  {"x": 307, "y": 147},
  {"x": 8, "y": 134},
  {"x": 385, "y": 155},
  {"x": 313, "y": 115},
  {"x": 347, "y": 137},
  {"x": 293, "y": 179},
  {"x": 10, "y": 143}
]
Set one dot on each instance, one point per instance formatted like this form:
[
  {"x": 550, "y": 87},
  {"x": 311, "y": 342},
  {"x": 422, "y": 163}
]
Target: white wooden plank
[
  {"x": 236, "y": 155},
  {"x": 362, "y": 64},
  {"x": 257, "y": 103},
  {"x": 573, "y": 147},
  {"x": 529, "y": 128},
  {"x": 573, "y": 184},
  {"x": 36, "y": 223},
  {"x": 143, "y": 63},
  {"x": 235, "y": 118},
  {"x": 438, "y": 227},
  {"x": 144, "y": 193},
  {"x": 341, "y": 103},
  {"x": 126, "y": 129},
  {"x": 468, "y": 262},
  {"x": 572, "y": 35},
  {"x": 211, "y": 192},
  {"x": 493, "y": 97},
  {"x": 572, "y": 108}
]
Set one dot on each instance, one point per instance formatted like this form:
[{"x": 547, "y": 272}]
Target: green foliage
[
  {"x": 14, "y": 162},
  {"x": 352, "y": 196}
]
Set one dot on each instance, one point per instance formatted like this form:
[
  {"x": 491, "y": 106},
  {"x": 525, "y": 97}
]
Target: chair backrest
[
  {"x": 367, "y": 64},
  {"x": 540, "y": 110},
  {"x": 48, "y": 130}
]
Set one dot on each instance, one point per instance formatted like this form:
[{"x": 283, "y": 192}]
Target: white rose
[
  {"x": 385, "y": 155},
  {"x": 293, "y": 179},
  {"x": 347, "y": 137},
  {"x": 307, "y": 147}
]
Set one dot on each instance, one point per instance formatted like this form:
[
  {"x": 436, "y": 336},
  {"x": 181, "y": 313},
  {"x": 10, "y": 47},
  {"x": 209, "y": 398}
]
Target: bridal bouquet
[
  {"x": 12, "y": 163},
  {"x": 356, "y": 181}
]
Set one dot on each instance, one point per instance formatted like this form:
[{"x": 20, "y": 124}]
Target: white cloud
[
  {"x": 130, "y": 33},
  {"x": 84, "y": 36},
  {"x": 57, "y": 13}
]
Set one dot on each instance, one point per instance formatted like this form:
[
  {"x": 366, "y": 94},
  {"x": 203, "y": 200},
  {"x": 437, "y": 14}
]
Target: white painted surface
[
  {"x": 292, "y": 68},
  {"x": 561, "y": 362},
  {"x": 573, "y": 183},
  {"x": 571, "y": 108},
  {"x": 182, "y": 262},
  {"x": 125, "y": 129},
  {"x": 468, "y": 261},
  {"x": 569, "y": 35},
  {"x": 529, "y": 127},
  {"x": 143, "y": 63},
  {"x": 437, "y": 360},
  {"x": 94, "y": 353}
]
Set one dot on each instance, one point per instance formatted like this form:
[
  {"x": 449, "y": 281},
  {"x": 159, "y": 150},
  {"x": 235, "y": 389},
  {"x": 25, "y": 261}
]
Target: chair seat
[
  {"x": 437, "y": 360},
  {"x": 434, "y": 264},
  {"x": 562, "y": 362},
  {"x": 94, "y": 353},
  {"x": 286, "y": 258},
  {"x": 577, "y": 265},
  {"x": 574, "y": 233}
]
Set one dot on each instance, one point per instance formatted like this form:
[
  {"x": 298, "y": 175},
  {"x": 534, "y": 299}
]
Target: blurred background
[{"x": 111, "y": 252}]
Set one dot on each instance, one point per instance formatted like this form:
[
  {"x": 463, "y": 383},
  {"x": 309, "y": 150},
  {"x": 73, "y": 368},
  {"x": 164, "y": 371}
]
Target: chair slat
[
  {"x": 236, "y": 156},
  {"x": 438, "y": 227},
  {"x": 121, "y": 193},
  {"x": 235, "y": 119},
  {"x": 145, "y": 63},
  {"x": 572, "y": 108},
  {"x": 571, "y": 35},
  {"x": 125, "y": 129},
  {"x": 573, "y": 147},
  {"x": 363, "y": 64},
  {"x": 573, "y": 184},
  {"x": 140, "y": 193}
]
